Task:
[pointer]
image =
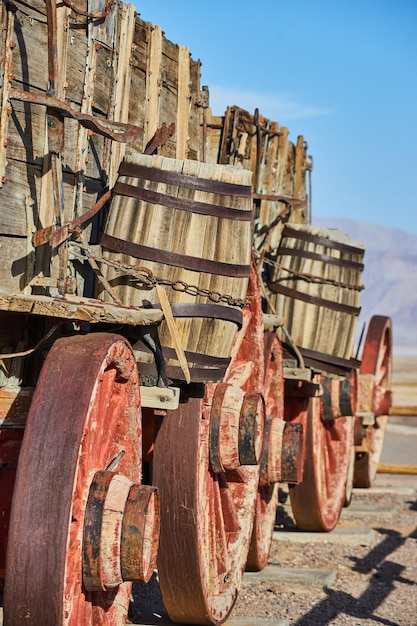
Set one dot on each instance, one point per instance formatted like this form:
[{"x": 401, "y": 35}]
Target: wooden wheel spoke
[
  {"x": 229, "y": 517},
  {"x": 105, "y": 389},
  {"x": 376, "y": 360},
  {"x": 267, "y": 498},
  {"x": 317, "y": 501},
  {"x": 219, "y": 537}
]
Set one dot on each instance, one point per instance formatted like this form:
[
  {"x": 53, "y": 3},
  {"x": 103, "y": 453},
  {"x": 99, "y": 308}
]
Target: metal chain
[
  {"x": 314, "y": 279},
  {"x": 145, "y": 278}
]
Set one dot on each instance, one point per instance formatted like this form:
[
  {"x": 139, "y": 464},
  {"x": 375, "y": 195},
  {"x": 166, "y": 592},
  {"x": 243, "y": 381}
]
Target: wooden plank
[
  {"x": 183, "y": 102},
  {"x": 396, "y": 468},
  {"x": 198, "y": 103},
  {"x": 153, "y": 89},
  {"x": 82, "y": 309},
  {"x": 13, "y": 264},
  {"x": 14, "y": 406},
  {"x": 121, "y": 99}
]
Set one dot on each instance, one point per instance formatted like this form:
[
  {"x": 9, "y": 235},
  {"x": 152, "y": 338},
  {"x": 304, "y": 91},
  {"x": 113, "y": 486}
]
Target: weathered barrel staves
[{"x": 155, "y": 387}]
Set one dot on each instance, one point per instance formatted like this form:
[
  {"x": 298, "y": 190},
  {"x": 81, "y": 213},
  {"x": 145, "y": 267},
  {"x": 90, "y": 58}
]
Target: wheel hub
[{"x": 121, "y": 532}]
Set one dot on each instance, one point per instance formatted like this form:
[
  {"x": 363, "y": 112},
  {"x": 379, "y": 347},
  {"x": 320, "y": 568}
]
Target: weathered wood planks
[{"x": 189, "y": 224}]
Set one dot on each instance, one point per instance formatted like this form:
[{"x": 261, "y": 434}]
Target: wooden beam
[
  {"x": 81, "y": 309},
  {"x": 396, "y": 468}
]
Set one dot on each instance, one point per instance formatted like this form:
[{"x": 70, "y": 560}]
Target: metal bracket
[
  {"x": 159, "y": 397},
  {"x": 297, "y": 373}
]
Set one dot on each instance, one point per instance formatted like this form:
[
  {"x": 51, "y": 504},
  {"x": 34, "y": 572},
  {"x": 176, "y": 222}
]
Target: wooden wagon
[{"x": 175, "y": 339}]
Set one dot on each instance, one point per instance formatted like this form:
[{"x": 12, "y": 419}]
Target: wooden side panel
[
  {"x": 165, "y": 89},
  {"x": 279, "y": 167},
  {"x": 92, "y": 77}
]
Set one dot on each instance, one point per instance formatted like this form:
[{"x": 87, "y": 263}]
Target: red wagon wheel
[
  {"x": 206, "y": 519},
  {"x": 318, "y": 500},
  {"x": 374, "y": 397},
  {"x": 267, "y": 498},
  {"x": 77, "y": 502}
]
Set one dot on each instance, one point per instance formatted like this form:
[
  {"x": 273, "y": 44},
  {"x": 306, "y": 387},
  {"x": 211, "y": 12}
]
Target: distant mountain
[{"x": 390, "y": 275}]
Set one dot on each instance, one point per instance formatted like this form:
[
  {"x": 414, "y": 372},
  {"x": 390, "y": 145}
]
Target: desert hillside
[{"x": 390, "y": 276}]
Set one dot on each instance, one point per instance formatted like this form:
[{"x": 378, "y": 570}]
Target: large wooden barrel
[
  {"x": 316, "y": 285},
  {"x": 189, "y": 223}
]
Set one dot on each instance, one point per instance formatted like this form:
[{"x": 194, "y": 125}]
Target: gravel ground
[{"x": 374, "y": 585}]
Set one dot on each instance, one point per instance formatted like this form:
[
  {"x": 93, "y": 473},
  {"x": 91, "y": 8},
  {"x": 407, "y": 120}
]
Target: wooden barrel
[
  {"x": 189, "y": 223},
  {"x": 316, "y": 285}
]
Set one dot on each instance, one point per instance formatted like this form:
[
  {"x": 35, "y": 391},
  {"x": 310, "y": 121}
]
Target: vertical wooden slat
[
  {"x": 121, "y": 103},
  {"x": 6, "y": 64},
  {"x": 183, "y": 102},
  {"x": 52, "y": 207},
  {"x": 153, "y": 87}
]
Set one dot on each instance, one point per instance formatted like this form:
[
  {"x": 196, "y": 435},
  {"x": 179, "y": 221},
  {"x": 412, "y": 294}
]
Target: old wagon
[{"x": 176, "y": 338}]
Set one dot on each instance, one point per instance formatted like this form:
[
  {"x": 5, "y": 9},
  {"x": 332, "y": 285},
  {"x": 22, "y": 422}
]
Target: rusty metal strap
[
  {"x": 323, "y": 241},
  {"x": 315, "y": 256},
  {"x": 208, "y": 311},
  {"x": 192, "y": 357},
  {"x": 117, "y": 131},
  {"x": 55, "y": 236},
  {"x": 276, "y": 287},
  {"x": 182, "y": 204},
  {"x": 328, "y": 362},
  {"x": 99, "y": 15},
  {"x": 172, "y": 258},
  {"x": 293, "y": 202},
  {"x": 184, "y": 180},
  {"x": 198, "y": 374}
]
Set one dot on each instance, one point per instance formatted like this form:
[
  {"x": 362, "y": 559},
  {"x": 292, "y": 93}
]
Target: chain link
[
  {"x": 144, "y": 277},
  {"x": 313, "y": 279}
]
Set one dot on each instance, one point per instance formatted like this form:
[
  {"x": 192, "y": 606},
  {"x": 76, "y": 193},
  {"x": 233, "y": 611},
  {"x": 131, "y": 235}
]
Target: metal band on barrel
[
  {"x": 325, "y": 258},
  {"x": 182, "y": 204},
  {"x": 305, "y": 297},
  {"x": 323, "y": 241},
  {"x": 184, "y": 180},
  {"x": 172, "y": 258}
]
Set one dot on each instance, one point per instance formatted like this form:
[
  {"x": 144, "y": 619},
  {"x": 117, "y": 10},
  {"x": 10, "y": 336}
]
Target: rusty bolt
[
  {"x": 9, "y": 110},
  {"x": 4, "y": 179},
  {"x": 6, "y": 143},
  {"x": 10, "y": 77},
  {"x": 12, "y": 44}
]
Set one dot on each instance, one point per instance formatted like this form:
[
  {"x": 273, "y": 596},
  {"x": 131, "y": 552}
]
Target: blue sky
[{"x": 341, "y": 73}]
